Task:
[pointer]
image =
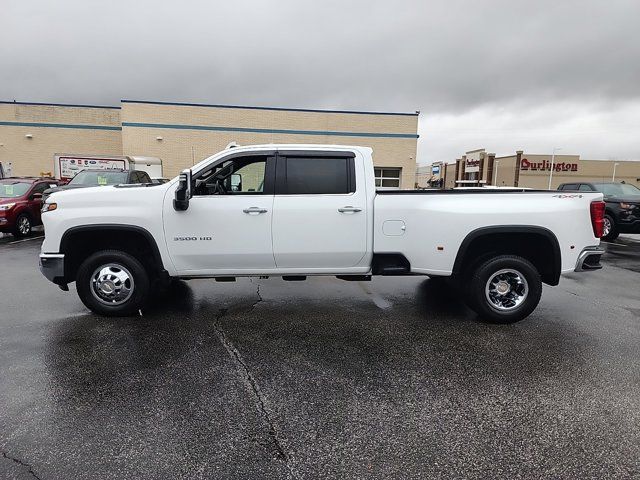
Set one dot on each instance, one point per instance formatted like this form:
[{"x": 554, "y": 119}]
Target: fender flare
[
  {"x": 65, "y": 240},
  {"x": 556, "y": 255}
]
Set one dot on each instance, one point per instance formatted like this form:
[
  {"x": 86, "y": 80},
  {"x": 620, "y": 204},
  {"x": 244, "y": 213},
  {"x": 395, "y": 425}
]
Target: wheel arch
[
  {"x": 79, "y": 242},
  {"x": 527, "y": 241}
]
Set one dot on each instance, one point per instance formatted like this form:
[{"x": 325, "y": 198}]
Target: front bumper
[
  {"x": 52, "y": 267},
  {"x": 589, "y": 259}
]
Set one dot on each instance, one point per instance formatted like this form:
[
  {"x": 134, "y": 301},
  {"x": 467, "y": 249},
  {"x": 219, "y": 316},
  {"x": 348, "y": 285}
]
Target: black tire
[
  {"x": 112, "y": 261},
  {"x": 527, "y": 293},
  {"x": 24, "y": 226},
  {"x": 613, "y": 230}
]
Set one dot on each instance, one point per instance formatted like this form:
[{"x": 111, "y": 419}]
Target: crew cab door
[
  {"x": 227, "y": 226},
  {"x": 320, "y": 217}
]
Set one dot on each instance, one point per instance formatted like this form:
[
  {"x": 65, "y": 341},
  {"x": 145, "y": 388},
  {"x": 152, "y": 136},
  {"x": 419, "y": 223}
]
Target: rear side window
[
  {"x": 585, "y": 188},
  {"x": 569, "y": 186},
  {"x": 317, "y": 175}
]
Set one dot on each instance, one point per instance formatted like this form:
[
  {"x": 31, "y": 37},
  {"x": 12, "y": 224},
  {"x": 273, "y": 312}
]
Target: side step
[
  {"x": 354, "y": 278},
  {"x": 294, "y": 278},
  {"x": 225, "y": 279}
]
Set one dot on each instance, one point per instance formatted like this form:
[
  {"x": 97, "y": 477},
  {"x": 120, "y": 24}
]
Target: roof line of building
[
  {"x": 7, "y": 102},
  {"x": 284, "y": 109},
  {"x": 269, "y": 130}
]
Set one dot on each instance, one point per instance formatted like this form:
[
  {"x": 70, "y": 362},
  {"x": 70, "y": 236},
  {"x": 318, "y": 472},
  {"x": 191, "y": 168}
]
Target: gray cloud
[{"x": 542, "y": 66}]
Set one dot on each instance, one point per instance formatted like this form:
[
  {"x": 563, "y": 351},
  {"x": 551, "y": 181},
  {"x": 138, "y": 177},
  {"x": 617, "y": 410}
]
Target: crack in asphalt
[
  {"x": 21, "y": 463},
  {"x": 241, "y": 365}
]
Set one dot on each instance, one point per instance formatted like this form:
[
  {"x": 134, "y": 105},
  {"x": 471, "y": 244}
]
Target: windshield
[
  {"x": 617, "y": 189},
  {"x": 99, "y": 178},
  {"x": 13, "y": 189}
]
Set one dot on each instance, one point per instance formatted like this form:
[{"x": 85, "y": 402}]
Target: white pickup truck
[{"x": 293, "y": 211}]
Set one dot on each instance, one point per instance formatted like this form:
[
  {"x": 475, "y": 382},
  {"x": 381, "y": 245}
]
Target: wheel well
[
  {"x": 536, "y": 244},
  {"x": 80, "y": 242}
]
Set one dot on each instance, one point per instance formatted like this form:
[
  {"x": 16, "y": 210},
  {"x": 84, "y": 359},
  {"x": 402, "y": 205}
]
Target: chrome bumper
[
  {"x": 589, "y": 259},
  {"x": 52, "y": 267}
]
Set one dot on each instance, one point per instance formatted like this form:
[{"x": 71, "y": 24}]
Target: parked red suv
[{"x": 20, "y": 203}]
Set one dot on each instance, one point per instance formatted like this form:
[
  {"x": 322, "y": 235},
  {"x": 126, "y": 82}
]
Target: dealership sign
[{"x": 545, "y": 165}]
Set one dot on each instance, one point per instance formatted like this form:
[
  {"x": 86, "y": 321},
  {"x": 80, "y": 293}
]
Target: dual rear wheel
[{"x": 503, "y": 289}]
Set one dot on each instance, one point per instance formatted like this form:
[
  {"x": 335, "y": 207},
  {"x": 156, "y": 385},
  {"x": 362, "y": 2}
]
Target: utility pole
[
  {"x": 613, "y": 178},
  {"x": 553, "y": 161}
]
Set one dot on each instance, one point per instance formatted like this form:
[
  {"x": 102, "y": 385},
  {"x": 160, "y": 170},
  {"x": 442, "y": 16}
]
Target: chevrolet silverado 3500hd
[{"x": 298, "y": 210}]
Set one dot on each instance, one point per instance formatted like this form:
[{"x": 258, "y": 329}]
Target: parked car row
[{"x": 21, "y": 198}]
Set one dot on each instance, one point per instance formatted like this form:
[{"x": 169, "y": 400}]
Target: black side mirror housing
[{"x": 183, "y": 191}]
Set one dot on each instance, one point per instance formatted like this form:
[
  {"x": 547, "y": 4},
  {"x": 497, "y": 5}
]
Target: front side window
[
  {"x": 238, "y": 176},
  {"x": 317, "y": 175},
  {"x": 387, "y": 177}
]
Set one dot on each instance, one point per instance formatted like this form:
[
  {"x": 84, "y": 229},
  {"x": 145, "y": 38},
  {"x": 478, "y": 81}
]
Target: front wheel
[
  {"x": 112, "y": 283},
  {"x": 505, "y": 289},
  {"x": 23, "y": 226}
]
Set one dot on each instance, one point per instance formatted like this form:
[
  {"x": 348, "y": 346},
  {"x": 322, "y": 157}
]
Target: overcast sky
[{"x": 496, "y": 74}]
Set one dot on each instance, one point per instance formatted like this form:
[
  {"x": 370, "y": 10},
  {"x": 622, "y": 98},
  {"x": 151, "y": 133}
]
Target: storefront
[{"x": 538, "y": 171}]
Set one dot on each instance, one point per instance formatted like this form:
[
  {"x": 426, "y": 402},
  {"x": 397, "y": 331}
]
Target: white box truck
[{"x": 66, "y": 166}]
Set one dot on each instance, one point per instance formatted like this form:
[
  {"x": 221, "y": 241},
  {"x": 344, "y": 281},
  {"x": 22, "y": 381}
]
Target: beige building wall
[
  {"x": 185, "y": 134},
  {"x": 55, "y": 129},
  {"x": 588, "y": 171},
  {"x": 505, "y": 174}
]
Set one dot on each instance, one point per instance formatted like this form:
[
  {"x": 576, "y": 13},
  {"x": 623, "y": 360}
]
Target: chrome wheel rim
[
  {"x": 606, "y": 227},
  {"x": 24, "y": 225},
  {"x": 506, "y": 290},
  {"x": 112, "y": 284}
]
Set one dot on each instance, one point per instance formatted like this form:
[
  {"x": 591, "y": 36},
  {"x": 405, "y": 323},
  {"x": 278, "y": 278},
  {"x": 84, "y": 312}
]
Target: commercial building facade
[
  {"x": 183, "y": 134},
  {"x": 538, "y": 171}
]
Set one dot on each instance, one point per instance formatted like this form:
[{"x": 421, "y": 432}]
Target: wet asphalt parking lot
[{"x": 392, "y": 378}]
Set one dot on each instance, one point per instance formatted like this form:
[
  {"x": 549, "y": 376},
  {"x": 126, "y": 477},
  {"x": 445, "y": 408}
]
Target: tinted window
[
  {"x": 143, "y": 177},
  {"x": 569, "y": 186},
  {"x": 310, "y": 175},
  {"x": 585, "y": 188},
  {"x": 41, "y": 187},
  {"x": 617, "y": 189}
]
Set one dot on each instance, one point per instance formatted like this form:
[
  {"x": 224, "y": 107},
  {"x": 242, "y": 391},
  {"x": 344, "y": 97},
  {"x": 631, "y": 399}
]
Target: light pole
[
  {"x": 613, "y": 178},
  {"x": 553, "y": 160},
  {"x": 496, "y": 163}
]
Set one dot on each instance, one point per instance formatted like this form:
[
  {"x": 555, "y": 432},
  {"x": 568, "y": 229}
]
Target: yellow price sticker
[
  {"x": 8, "y": 189},
  {"x": 102, "y": 180}
]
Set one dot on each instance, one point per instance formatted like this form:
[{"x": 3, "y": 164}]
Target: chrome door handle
[
  {"x": 257, "y": 210},
  {"x": 349, "y": 209}
]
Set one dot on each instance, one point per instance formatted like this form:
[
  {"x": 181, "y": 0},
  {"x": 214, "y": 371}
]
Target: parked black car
[
  {"x": 97, "y": 178},
  {"x": 622, "y": 212}
]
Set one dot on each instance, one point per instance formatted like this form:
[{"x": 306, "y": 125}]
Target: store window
[{"x": 388, "y": 178}]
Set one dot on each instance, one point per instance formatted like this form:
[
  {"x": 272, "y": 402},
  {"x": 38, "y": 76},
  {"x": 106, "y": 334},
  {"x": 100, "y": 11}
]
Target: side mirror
[
  {"x": 183, "y": 191},
  {"x": 36, "y": 196},
  {"x": 236, "y": 182}
]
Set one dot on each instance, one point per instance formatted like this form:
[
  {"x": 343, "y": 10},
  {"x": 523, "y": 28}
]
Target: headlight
[
  {"x": 7, "y": 206},
  {"x": 49, "y": 207}
]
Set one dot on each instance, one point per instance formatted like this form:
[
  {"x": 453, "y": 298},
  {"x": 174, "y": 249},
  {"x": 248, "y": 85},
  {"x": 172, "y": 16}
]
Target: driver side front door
[{"x": 227, "y": 228}]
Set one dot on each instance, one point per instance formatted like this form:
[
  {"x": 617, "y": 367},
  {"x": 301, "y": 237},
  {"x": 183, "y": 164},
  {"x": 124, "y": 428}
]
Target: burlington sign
[{"x": 546, "y": 165}]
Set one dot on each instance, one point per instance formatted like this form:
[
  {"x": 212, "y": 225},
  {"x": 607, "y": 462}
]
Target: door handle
[
  {"x": 256, "y": 210},
  {"x": 349, "y": 209}
]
